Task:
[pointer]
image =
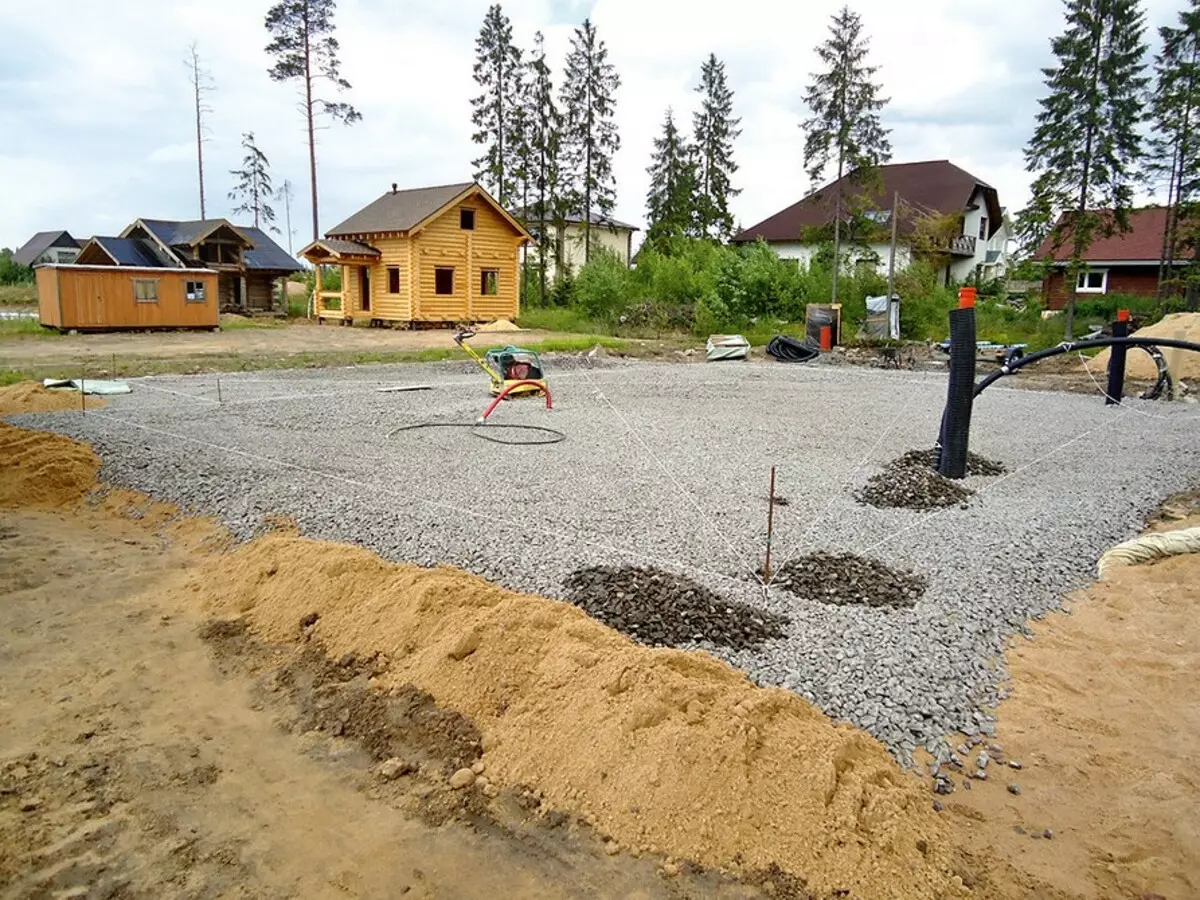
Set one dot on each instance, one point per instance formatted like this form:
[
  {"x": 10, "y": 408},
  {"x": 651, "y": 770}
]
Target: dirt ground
[
  {"x": 155, "y": 746},
  {"x": 247, "y": 344}
]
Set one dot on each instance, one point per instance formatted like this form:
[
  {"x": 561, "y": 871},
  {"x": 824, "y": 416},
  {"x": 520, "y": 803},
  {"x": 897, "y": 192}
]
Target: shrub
[{"x": 603, "y": 287}]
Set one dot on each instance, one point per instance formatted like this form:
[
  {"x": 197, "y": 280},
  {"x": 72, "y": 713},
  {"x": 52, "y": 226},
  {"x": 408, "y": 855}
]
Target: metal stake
[
  {"x": 218, "y": 388},
  {"x": 82, "y": 392},
  {"x": 770, "y": 527}
]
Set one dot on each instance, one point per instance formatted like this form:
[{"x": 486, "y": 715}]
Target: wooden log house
[{"x": 443, "y": 254}]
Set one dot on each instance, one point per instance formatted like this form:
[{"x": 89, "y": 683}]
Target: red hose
[{"x": 508, "y": 388}]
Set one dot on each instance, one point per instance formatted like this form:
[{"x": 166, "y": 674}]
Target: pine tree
[
  {"x": 306, "y": 51},
  {"x": 253, "y": 185},
  {"x": 543, "y": 137},
  {"x": 672, "y": 202},
  {"x": 201, "y": 84},
  {"x": 1086, "y": 146},
  {"x": 1174, "y": 158},
  {"x": 715, "y": 130},
  {"x": 590, "y": 137},
  {"x": 497, "y": 72},
  {"x": 844, "y": 127}
]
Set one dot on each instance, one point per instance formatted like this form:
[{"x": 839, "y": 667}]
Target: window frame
[
  {"x": 143, "y": 281},
  {"x": 983, "y": 228},
  {"x": 1083, "y": 277},
  {"x": 190, "y": 295},
  {"x": 437, "y": 271},
  {"x": 483, "y": 282},
  {"x": 463, "y": 213},
  {"x": 393, "y": 277}
]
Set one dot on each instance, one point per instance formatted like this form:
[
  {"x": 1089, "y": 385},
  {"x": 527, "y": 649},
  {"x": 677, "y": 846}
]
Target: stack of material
[{"x": 727, "y": 346}]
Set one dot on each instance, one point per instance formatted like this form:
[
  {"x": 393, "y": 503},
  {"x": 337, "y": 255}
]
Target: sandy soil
[{"x": 1104, "y": 721}]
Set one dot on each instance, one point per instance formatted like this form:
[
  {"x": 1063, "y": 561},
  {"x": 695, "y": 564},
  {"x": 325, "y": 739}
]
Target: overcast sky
[{"x": 96, "y": 124}]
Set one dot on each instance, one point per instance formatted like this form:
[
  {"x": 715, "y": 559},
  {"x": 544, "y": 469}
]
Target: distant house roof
[
  {"x": 1142, "y": 244},
  {"x": 937, "y": 185},
  {"x": 399, "y": 210},
  {"x": 28, "y": 254},
  {"x": 576, "y": 218},
  {"x": 260, "y": 252},
  {"x": 124, "y": 251}
]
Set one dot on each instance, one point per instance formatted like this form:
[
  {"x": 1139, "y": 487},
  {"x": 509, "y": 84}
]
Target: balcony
[{"x": 963, "y": 245}]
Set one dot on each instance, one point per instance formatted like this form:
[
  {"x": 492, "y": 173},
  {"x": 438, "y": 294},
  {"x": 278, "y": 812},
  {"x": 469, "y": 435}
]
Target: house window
[
  {"x": 145, "y": 290},
  {"x": 489, "y": 282},
  {"x": 393, "y": 279},
  {"x": 443, "y": 281},
  {"x": 983, "y": 231},
  {"x": 466, "y": 219},
  {"x": 194, "y": 291},
  {"x": 1093, "y": 281}
]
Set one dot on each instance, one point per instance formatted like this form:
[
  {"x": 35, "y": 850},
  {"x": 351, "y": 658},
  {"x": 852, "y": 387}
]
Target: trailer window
[
  {"x": 443, "y": 281},
  {"x": 145, "y": 290},
  {"x": 489, "y": 282},
  {"x": 194, "y": 291}
]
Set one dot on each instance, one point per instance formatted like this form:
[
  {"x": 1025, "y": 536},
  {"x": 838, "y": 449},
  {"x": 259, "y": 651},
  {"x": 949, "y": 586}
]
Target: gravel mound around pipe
[
  {"x": 908, "y": 484},
  {"x": 662, "y": 609},
  {"x": 679, "y": 481},
  {"x": 660, "y": 748},
  {"x": 844, "y": 579}
]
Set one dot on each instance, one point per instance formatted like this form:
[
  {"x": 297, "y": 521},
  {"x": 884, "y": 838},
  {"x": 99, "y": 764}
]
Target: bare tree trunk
[
  {"x": 837, "y": 226},
  {"x": 1077, "y": 249},
  {"x": 312, "y": 138},
  {"x": 199, "y": 126}
]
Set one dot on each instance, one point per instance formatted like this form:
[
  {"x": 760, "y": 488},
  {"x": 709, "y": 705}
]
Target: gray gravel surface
[{"x": 667, "y": 465}]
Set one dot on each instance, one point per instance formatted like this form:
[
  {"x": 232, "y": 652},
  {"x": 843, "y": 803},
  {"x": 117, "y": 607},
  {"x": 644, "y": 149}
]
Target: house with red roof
[
  {"x": 1123, "y": 263},
  {"x": 929, "y": 189}
]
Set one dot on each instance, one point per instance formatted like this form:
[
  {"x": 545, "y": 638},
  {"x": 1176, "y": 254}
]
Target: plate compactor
[{"x": 514, "y": 371}]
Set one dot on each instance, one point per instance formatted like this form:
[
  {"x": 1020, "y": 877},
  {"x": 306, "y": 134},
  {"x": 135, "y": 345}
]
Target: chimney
[{"x": 393, "y": 187}]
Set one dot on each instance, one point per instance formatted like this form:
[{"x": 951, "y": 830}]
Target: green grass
[
  {"x": 558, "y": 318},
  {"x": 240, "y": 324},
  {"x": 18, "y": 295},
  {"x": 25, "y": 328}
]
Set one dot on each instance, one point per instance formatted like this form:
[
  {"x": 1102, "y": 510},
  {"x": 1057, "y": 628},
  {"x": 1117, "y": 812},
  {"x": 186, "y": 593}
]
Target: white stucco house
[
  {"x": 935, "y": 187},
  {"x": 608, "y": 233}
]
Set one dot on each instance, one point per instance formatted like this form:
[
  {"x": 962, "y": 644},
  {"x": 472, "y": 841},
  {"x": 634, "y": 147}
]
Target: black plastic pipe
[{"x": 1013, "y": 365}]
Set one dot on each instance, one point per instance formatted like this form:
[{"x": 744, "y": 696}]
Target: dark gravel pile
[
  {"x": 845, "y": 579},
  {"x": 661, "y": 609},
  {"x": 910, "y": 482},
  {"x": 976, "y": 464}
]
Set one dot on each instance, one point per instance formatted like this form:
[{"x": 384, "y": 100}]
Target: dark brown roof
[
  {"x": 341, "y": 247},
  {"x": 936, "y": 186},
  {"x": 399, "y": 210},
  {"x": 1142, "y": 244}
]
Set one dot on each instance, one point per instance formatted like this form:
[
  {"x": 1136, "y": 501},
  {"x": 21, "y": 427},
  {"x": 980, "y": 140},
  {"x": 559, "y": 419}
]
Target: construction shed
[
  {"x": 103, "y": 298},
  {"x": 429, "y": 255}
]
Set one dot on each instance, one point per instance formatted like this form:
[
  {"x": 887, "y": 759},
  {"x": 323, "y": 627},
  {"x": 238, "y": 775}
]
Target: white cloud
[{"x": 98, "y": 124}]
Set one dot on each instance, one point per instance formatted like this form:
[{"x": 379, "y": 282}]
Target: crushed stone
[{"x": 845, "y": 578}]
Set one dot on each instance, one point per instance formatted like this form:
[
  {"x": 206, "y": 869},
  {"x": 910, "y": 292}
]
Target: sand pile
[
  {"x": 1184, "y": 326},
  {"x": 498, "y": 325},
  {"x": 665, "y": 750},
  {"x": 39, "y": 469},
  {"x": 31, "y": 397}
]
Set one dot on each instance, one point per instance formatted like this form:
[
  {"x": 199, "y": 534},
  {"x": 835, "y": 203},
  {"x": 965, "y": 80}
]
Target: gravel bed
[
  {"x": 666, "y": 465},
  {"x": 661, "y": 608}
]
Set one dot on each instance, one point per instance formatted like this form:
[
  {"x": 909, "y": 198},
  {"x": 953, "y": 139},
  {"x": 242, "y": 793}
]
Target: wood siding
[
  {"x": 491, "y": 245},
  {"x": 260, "y": 292},
  {"x": 96, "y": 299},
  {"x": 47, "y": 287},
  {"x": 1141, "y": 281}
]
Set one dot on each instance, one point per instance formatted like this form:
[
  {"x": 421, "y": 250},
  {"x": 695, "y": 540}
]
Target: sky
[{"x": 97, "y": 123}]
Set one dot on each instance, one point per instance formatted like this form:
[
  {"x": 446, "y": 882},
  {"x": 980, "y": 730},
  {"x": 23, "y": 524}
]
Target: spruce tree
[
  {"x": 543, "y": 137},
  {"x": 306, "y": 51},
  {"x": 590, "y": 137},
  {"x": 253, "y": 185},
  {"x": 498, "y": 73},
  {"x": 1174, "y": 158},
  {"x": 844, "y": 126},
  {"x": 1086, "y": 147},
  {"x": 715, "y": 131},
  {"x": 672, "y": 201}
]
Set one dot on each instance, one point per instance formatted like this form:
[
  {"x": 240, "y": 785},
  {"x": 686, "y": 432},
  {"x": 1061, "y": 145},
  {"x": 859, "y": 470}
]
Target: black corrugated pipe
[{"x": 1013, "y": 365}]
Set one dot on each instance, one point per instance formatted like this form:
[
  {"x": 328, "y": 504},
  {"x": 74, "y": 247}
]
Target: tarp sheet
[
  {"x": 727, "y": 346},
  {"x": 90, "y": 385}
]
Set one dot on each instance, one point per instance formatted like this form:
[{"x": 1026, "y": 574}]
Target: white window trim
[{"x": 1082, "y": 277}]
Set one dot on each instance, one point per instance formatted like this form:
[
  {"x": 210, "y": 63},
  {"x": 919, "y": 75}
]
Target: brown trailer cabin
[
  {"x": 105, "y": 298},
  {"x": 430, "y": 255}
]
